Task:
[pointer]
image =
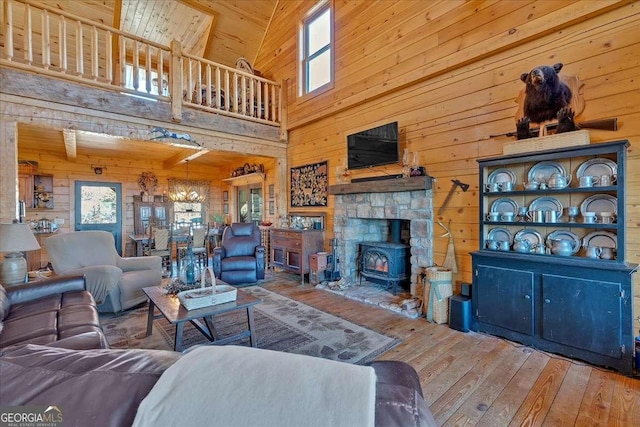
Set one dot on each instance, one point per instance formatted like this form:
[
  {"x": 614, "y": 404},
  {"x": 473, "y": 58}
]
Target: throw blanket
[{"x": 244, "y": 386}]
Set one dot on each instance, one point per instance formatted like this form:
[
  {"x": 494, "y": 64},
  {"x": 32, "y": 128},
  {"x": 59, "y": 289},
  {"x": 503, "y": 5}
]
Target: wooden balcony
[{"x": 48, "y": 42}]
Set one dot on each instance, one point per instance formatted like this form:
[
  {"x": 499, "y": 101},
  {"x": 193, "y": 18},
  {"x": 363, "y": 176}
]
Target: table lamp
[{"x": 14, "y": 238}]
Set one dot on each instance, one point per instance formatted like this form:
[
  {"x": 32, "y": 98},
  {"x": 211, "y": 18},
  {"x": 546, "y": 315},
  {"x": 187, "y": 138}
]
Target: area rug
[{"x": 282, "y": 324}]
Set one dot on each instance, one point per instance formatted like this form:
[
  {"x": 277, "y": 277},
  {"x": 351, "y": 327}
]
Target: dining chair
[
  {"x": 198, "y": 235},
  {"x": 160, "y": 245}
]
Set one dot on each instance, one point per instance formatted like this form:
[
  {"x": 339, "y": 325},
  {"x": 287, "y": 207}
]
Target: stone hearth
[{"x": 362, "y": 211}]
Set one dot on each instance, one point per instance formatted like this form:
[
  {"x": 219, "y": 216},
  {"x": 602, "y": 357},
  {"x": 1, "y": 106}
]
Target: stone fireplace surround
[{"x": 362, "y": 211}]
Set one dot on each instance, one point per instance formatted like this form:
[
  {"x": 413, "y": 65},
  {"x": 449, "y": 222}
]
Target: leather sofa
[
  {"x": 115, "y": 282},
  {"x": 57, "y": 312},
  {"x": 109, "y": 385},
  {"x": 240, "y": 259}
]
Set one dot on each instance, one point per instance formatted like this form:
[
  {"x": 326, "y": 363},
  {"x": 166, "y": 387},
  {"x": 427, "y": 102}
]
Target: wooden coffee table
[{"x": 171, "y": 309}]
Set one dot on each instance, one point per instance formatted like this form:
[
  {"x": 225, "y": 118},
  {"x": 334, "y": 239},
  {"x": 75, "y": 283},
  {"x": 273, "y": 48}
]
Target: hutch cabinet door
[
  {"x": 505, "y": 298},
  {"x": 582, "y": 313}
]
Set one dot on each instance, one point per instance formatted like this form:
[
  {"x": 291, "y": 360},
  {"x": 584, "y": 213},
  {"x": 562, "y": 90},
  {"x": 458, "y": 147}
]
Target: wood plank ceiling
[{"x": 219, "y": 30}]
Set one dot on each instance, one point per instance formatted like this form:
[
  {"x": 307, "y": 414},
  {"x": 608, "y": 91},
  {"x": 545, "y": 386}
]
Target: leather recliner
[
  {"x": 115, "y": 282},
  {"x": 241, "y": 258}
]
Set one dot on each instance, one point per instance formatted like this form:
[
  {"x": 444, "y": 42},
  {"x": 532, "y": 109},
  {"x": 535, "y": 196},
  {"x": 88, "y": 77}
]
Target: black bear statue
[{"x": 546, "y": 98}]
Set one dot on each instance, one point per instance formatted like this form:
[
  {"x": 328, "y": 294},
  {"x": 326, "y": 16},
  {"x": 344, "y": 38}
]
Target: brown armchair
[{"x": 240, "y": 259}]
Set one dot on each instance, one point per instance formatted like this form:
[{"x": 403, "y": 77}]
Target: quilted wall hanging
[{"x": 309, "y": 185}]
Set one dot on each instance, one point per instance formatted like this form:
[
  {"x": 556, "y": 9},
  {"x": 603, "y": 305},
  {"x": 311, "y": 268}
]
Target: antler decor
[{"x": 148, "y": 182}]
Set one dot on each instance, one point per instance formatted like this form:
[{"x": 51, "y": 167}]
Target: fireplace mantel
[{"x": 384, "y": 186}]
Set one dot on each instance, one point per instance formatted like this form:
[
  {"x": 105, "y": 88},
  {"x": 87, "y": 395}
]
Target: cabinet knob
[
  {"x": 547, "y": 300},
  {"x": 527, "y": 297}
]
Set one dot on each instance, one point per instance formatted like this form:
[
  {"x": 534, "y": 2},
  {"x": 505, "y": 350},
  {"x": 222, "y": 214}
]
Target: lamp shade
[
  {"x": 17, "y": 237},
  {"x": 14, "y": 238}
]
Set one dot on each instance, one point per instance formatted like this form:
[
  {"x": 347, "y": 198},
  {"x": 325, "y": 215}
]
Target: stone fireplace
[{"x": 362, "y": 213}]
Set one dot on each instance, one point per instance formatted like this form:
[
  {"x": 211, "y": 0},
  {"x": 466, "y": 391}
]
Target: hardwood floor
[{"x": 476, "y": 379}]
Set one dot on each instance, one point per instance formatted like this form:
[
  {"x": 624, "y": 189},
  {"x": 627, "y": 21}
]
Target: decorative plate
[
  {"x": 566, "y": 235},
  {"x": 504, "y": 205},
  {"x": 531, "y": 235},
  {"x": 542, "y": 171},
  {"x": 547, "y": 204},
  {"x": 501, "y": 175},
  {"x": 597, "y": 167},
  {"x": 599, "y": 203},
  {"x": 500, "y": 233},
  {"x": 603, "y": 239}
]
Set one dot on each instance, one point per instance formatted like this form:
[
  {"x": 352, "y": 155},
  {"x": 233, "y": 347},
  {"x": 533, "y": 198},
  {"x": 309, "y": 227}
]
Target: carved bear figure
[{"x": 546, "y": 98}]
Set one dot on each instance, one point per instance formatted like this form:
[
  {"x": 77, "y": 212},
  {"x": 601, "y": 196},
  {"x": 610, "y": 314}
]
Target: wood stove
[{"x": 384, "y": 263}]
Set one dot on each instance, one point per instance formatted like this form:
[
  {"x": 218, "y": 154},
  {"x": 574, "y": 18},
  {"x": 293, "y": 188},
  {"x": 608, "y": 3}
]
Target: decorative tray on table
[{"x": 207, "y": 296}]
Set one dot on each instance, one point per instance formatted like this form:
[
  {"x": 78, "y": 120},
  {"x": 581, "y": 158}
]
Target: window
[
  {"x": 316, "y": 49},
  {"x": 142, "y": 81},
  {"x": 187, "y": 212}
]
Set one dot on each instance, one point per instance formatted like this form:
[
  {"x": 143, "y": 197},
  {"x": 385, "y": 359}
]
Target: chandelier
[{"x": 188, "y": 191}]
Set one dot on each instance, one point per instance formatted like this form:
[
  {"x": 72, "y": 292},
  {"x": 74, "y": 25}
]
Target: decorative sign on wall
[{"x": 309, "y": 185}]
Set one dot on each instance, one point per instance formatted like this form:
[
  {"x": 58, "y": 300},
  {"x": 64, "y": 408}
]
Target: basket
[
  {"x": 437, "y": 290},
  {"x": 28, "y": 167},
  {"x": 205, "y": 297},
  {"x": 549, "y": 142}
]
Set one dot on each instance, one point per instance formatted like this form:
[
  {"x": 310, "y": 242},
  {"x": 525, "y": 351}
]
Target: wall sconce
[{"x": 98, "y": 169}]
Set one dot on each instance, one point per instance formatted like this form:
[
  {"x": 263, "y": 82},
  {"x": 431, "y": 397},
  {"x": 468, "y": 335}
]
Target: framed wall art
[
  {"x": 272, "y": 208},
  {"x": 225, "y": 208},
  {"x": 225, "y": 196},
  {"x": 272, "y": 191},
  {"x": 309, "y": 185}
]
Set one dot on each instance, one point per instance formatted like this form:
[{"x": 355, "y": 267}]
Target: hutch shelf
[{"x": 556, "y": 281}]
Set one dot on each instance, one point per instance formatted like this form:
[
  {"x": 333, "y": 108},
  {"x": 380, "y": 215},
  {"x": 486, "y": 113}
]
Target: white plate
[
  {"x": 542, "y": 171},
  {"x": 566, "y": 235},
  {"x": 504, "y": 205},
  {"x": 531, "y": 235},
  {"x": 603, "y": 239},
  {"x": 500, "y": 233},
  {"x": 599, "y": 203},
  {"x": 501, "y": 175},
  {"x": 547, "y": 204},
  {"x": 597, "y": 167}
]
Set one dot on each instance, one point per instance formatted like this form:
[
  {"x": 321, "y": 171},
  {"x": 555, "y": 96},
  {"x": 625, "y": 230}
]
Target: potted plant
[{"x": 218, "y": 220}]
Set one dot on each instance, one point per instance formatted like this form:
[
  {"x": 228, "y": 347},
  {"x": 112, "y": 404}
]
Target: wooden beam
[
  {"x": 182, "y": 157},
  {"x": 384, "y": 186},
  {"x": 70, "y": 145}
]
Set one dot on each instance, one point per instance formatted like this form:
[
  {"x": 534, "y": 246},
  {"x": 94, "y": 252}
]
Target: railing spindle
[
  {"x": 122, "y": 55},
  {"x": 208, "y": 83},
  {"x": 95, "y": 72},
  {"x": 108, "y": 67},
  {"x": 28, "y": 36},
  {"x": 136, "y": 64},
  {"x": 8, "y": 17},
  {"x": 227, "y": 94},
  {"x": 46, "y": 41},
  {"x": 218, "y": 90},
  {"x": 148, "y": 68},
  {"x": 79, "y": 49},
  {"x": 62, "y": 54}
]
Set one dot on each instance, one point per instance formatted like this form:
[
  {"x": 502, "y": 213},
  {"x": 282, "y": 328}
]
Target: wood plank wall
[
  {"x": 448, "y": 72},
  {"x": 124, "y": 171}
]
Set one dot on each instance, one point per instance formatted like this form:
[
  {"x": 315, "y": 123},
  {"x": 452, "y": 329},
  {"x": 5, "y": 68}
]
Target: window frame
[{"x": 304, "y": 58}]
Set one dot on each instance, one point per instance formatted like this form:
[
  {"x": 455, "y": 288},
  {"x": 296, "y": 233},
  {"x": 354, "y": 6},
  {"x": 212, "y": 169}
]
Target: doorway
[
  {"x": 98, "y": 207},
  {"x": 249, "y": 199}
]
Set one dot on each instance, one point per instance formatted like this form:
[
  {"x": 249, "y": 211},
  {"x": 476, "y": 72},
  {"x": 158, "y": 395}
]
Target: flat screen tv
[{"x": 373, "y": 147}]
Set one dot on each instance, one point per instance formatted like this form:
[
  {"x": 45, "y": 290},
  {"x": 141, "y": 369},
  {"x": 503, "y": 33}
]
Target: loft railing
[{"x": 44, "y": 40}]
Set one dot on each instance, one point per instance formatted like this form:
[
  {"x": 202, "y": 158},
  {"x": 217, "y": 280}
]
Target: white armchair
[{"x": 115, "y": 282}]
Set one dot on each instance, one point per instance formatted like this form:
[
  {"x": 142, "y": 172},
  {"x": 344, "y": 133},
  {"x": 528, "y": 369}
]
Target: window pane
[
  {"x": 319, "y": 33},
  {"x": 98, "y": 205},
  {"x": 187, "y": 212},
  {"x": 319, "y": 71}
]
